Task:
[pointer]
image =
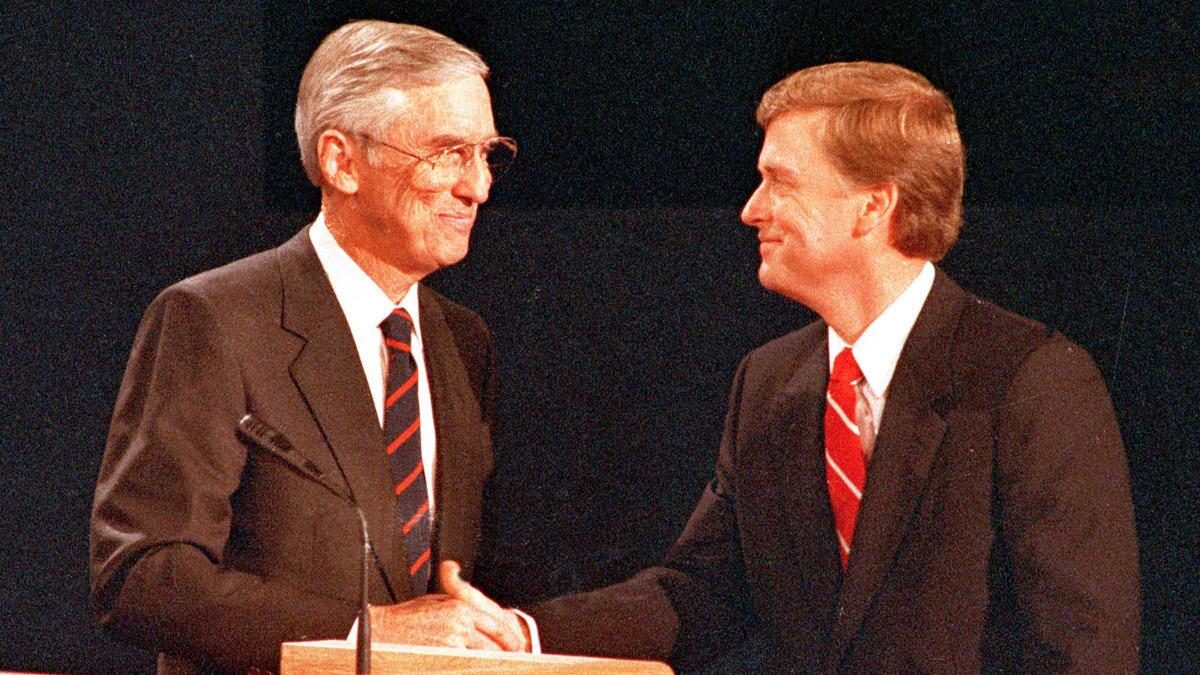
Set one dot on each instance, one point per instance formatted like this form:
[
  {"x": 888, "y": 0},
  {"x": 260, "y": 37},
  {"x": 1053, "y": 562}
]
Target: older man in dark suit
[
  {"x": 212, "y": 552},
  {"x": 919, "y": 481}
]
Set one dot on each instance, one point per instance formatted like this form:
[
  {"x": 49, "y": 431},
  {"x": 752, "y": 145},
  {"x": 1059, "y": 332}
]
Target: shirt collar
[
  {"x": 877, "y": 350},
  {"x": 363, "y": 302}
]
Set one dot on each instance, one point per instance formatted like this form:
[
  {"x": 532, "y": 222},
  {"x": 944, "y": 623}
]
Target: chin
[
  {"x": 452, "y": 257},
  {"x": 767, "y": 278},
  {"x": 787, "y": 286}
]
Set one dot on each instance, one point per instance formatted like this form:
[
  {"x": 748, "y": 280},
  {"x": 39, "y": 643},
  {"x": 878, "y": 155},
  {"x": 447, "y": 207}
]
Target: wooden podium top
[{"x": 337, "y": 656}]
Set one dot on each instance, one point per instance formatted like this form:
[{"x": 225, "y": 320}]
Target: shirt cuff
[{"x": 535, "y": 643}]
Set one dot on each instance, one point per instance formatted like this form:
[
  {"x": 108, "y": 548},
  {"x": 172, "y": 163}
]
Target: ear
[
  {"x": 340, "y": 160},
  {"x": 877, "y": 210}
]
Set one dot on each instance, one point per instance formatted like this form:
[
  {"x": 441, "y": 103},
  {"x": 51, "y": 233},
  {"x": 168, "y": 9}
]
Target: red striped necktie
[
  {"x": 845, "y": 467},
  {"x": 402, "y": 433}
]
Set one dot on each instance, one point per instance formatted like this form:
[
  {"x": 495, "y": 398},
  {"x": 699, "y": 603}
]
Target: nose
[
  {"x": 475, "y": 182},
  {"x": 754, "y": 213}
]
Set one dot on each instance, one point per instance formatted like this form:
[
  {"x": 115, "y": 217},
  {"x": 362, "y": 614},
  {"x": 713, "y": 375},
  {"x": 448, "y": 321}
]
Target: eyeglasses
[{"x": 447, "y": 165}]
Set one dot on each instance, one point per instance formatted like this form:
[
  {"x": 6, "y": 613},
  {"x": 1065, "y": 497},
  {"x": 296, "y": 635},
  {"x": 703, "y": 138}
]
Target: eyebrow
[
  {"x": 450, "y": 140},
  {"x": 778, "y": 171},
  {"x": 447, "y": 139}
]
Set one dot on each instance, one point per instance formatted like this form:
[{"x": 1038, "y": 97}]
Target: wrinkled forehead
[{"x": 455, "y": 111}]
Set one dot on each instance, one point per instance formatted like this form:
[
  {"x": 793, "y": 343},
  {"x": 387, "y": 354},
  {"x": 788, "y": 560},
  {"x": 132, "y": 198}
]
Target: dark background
[{"x": 144, "y": 142}]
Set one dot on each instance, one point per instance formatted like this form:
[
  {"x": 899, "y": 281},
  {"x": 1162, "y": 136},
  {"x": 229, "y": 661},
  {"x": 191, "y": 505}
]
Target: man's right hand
[{"x": 442, "y": 620}]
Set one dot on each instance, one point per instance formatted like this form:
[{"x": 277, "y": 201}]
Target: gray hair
[{"x": 349, "y": 78}]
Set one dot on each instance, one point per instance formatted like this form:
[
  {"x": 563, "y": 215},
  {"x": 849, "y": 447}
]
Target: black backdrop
[{"x": 143, "y": 142}]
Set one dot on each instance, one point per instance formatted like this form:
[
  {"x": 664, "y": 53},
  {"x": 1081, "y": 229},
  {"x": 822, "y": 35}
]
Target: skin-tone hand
[
  {"x": 455, "y": 587},
  {"x": 462, "y": 617}
]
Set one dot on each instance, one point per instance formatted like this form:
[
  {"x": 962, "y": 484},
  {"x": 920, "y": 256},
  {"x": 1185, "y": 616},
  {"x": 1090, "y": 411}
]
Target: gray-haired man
[{"x": 213, "y": 553}]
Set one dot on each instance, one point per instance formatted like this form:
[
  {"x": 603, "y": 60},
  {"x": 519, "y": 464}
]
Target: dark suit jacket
[
  {"x": 211, "y": 551},
  {"x": 995, "y": 532}
]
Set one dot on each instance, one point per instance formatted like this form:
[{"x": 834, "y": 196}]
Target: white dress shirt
[
  {"x": 877, "y": 352},
  {"x": 366, "y": 306}
]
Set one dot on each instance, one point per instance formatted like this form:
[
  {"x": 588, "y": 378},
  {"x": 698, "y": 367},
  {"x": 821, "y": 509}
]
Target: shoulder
[
  {"x": 980, "y": 316},
  {"x": 768, "y": 369},
  {"x": 445, "y": 324},
  {"x": 985, "y": 342},
  {"x": 234, "y": 281},
  {"x": 465, "y": 325},
  {"x": 1057, "y": 366},
  {"x": 255, "y": 276},
  {"x": 1007, "y": 354},
  {"x": 787, "y": 351},
  {"x": 244, "y": 296},
  {"x": 973, "y": 324},
  {"x": 456, "y": 315}
]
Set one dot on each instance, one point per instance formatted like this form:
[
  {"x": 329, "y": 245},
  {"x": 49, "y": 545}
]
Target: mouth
[
  {"x": 767, "y": 243},
  {"x": 462, "y": 222}
]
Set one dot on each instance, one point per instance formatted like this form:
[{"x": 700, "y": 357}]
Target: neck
[
  {"x": 363, "y": 244},
  {"x": 859, "y": 302}
]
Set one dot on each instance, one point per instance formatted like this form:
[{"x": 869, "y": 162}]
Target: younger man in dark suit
[
  {"x": 214, "y": 553},
  {"x": 919, "y": 481}
]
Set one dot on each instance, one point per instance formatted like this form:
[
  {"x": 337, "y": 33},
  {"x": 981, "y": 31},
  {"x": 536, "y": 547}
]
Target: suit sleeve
[
  {"x": 1066, "y": 517},
  {"x": 161, "y": 519},
  {"x": 686, "y": 610}
]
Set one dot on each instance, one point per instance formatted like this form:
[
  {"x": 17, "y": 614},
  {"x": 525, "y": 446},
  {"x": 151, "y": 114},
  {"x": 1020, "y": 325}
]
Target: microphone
[{"x": 267, "y": 438}]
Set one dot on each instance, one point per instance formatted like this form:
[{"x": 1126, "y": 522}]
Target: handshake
[{"x": 460, "y": 616}]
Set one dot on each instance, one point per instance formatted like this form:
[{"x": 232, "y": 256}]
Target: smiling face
[
  {"x": 805, "y": 212},
  {"x": 409, "y": 219}
]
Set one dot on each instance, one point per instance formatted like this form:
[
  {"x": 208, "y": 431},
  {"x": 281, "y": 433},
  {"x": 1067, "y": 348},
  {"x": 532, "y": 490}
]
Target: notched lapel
[
  {"x": 796, "y": 430},
  {"x": 464, "y": 444},
  {"x": 909, "y": 436},
  {"x": 329, "y": 376}
]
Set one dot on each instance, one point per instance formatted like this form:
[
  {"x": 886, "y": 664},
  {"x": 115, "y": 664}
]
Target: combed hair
[
  {"x": 356, "y": 68},
  {"x": 887, "y": 123}
]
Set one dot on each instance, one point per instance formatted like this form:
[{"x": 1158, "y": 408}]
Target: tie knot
[
  {"x": 397, "y": 326},
  {"x": 845, "y": 368}
]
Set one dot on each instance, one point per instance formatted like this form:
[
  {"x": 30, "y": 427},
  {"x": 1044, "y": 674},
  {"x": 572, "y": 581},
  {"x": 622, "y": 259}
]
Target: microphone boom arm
[{"x": 266, "y": 437}]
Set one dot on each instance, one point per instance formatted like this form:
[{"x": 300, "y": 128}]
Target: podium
[{"x": 337, "y": 656}]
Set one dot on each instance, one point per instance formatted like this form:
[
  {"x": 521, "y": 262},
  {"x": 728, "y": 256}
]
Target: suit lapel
[
  {"x": 329, "y": 376},
  {"x": 464, "y": 449},
  {"x": 910, "y": 433},
  {"x": 798, "y": 439}
]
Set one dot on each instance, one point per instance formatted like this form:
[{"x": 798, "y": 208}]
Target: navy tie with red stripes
[{"x": 402, "y": 433}]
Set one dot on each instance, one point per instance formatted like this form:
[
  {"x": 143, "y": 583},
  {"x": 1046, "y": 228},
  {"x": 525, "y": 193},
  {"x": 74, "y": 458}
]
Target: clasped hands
[{"x": 460, "y": 616}]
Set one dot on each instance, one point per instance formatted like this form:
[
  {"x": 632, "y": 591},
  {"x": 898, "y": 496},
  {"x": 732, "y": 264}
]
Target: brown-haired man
[{"x": 918, "y": 481}]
